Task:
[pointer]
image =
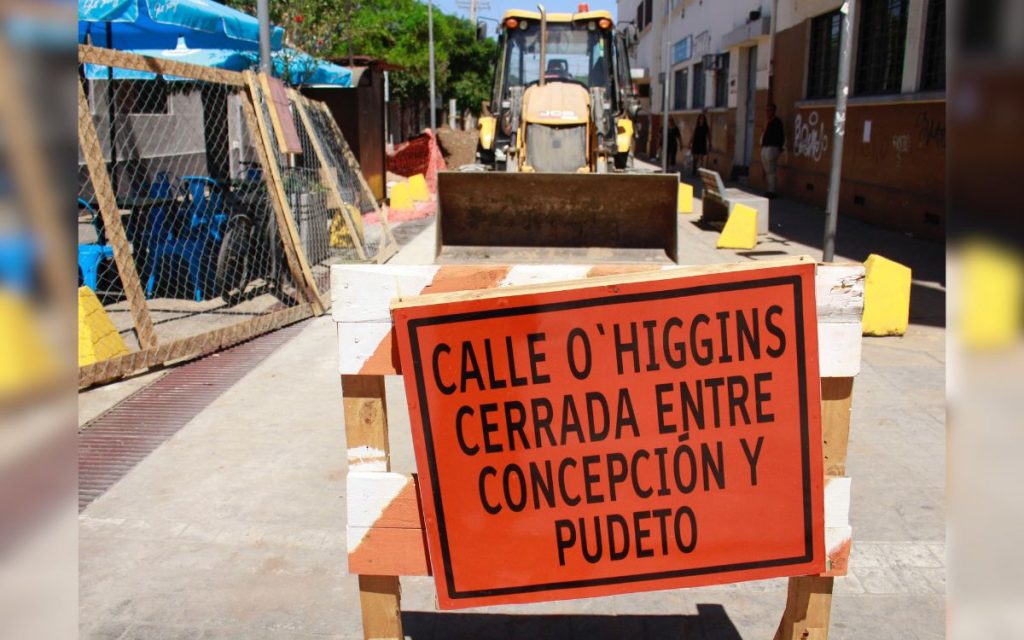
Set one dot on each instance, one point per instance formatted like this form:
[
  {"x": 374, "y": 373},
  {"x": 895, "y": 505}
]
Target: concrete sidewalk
[{"x": 234, "y": 527}]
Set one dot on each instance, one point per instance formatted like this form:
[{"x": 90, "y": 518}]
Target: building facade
[{"x": 730, "y": 59}]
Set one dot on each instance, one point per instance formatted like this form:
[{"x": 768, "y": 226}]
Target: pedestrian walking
[
  {"x": 674, "y": 141},
  {"x": 773, "y": 140},
  {"x": 700, "y": 143}
]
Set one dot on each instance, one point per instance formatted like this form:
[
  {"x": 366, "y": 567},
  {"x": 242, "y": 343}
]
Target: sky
[{"x": 499, "y": 7}]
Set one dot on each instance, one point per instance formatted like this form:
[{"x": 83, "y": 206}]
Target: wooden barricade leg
[
  {"x": 366, "y": 425},
  {"x": 107, "y": 200},
  {"x": 809, "y": 600}
]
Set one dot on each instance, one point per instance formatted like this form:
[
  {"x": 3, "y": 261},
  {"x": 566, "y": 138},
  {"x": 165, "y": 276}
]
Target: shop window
[
  {"x": 880, "y": 48},
  {"x": 823, "y": 62},
  {"x": 681, "y": 80},
  {"x": 933, "y": 71},
  {"x": 722, "y": 83}
]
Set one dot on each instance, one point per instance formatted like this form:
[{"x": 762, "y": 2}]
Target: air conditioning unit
[{"x": 713, "y": 62}]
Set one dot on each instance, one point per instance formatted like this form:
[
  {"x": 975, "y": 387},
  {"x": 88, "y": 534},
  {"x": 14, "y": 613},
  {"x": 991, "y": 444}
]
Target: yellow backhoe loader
[{"x": 555, "y": 148}]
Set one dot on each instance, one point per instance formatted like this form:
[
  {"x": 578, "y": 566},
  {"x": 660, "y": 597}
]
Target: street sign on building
[{"x": 616, "y": 435}]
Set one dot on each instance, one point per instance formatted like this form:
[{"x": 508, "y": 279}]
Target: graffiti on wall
[
  {"x": 900, "y": 144},
  {"x": 810, "y": 139},
  {"x": 930, "y": 131}
]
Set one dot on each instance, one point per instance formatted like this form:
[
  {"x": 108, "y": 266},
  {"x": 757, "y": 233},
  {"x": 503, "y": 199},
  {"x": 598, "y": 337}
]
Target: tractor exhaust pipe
[{"x": 543, "y": 41}]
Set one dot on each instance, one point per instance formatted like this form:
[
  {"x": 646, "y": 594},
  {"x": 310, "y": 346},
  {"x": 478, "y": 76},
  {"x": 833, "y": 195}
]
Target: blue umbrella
[
  {"x": 157, "y": 24},
  {"x": 304, "y": 69},
  {"x": 217, "y": 58}
]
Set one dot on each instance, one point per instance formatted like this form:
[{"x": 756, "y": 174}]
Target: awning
[{"x": 155, "y": 24}]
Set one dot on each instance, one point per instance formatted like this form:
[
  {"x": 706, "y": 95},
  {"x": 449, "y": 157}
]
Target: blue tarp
[
  {"x": 157, "y": 24},
  {"x": 218, "y": 58},
  {"x": 304, "y": 69}
]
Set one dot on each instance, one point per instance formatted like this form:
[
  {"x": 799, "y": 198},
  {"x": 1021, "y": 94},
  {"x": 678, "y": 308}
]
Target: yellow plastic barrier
[
  {"x": 886, "y": 297},
  {"x": 418, "y": 187},
  {"x": 98, "y": 339},
  {"x": 26, "y": 360},
  {"x": 685, "y": 202},
  {"x": 401, "y": 197},
  {"x": 740, "y": 231},
  {"x": 993, "y": 289}
]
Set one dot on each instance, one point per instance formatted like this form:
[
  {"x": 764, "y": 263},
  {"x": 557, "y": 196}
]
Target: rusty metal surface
[
  {"x": 614, "y": 211},
  {"x": 110, "y": 445}
]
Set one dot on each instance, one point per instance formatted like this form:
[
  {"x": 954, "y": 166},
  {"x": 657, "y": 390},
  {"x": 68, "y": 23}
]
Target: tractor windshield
[{"x": 576, "y": 52}]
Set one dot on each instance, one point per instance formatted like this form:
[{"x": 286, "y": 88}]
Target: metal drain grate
[{"x": 111, "y": 444}]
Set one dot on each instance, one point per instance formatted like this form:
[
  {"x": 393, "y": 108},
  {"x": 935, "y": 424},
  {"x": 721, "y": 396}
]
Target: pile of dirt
[{"x": 457, "y": 147}]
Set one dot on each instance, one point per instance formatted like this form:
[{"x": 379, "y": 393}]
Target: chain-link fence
[
  {"x": 321, "y": 134},
  {"x": 190, "y": 233},
  {"x": 335, "y": 216}
]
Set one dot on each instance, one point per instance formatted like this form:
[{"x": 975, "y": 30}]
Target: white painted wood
[
  {"x": 369, "y": 494},
  {"x": 364, "y": 458},
  {"x": 522, "y": 274},
  {"x": 357, "y": 342},
  {"x": 839, "y": 292},
  {"x": 837, "y": 502},
  {"x": 839, "y": 349},
  {"x": 363, "y": 293}
]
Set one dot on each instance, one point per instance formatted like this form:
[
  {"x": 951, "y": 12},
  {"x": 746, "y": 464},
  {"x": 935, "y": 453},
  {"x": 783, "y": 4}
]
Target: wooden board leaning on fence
[
  {"x": 385, "y": 534},
  {"x": 154, "y": 352},
  {"x": 310, "y": 112}
]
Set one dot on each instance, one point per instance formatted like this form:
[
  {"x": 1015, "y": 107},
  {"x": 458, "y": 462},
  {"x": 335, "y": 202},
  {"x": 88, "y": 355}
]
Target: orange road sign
[{"x": 617, "y": 435}]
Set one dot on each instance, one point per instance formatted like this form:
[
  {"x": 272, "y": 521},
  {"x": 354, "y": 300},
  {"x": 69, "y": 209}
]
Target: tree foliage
[{"x": 395, "y": 31}]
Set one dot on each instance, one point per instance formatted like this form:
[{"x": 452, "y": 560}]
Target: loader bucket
[{"x": 558, "y": 210}]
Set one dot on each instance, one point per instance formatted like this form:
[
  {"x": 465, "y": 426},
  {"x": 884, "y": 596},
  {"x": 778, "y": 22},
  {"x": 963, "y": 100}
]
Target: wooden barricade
[{"x": 385, "y": 528}]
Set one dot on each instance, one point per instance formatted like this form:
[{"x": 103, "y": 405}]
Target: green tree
[{"x": 395, "y": 31}]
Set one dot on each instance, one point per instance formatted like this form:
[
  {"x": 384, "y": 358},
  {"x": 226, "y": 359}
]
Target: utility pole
[
  {"x": 664, "y": 109},
  {"x": 838, "y": 132},
  {"x": 472, "y": 6},
  {"x": 263, "y": 16},
  {"x": 430, "y": 36}
]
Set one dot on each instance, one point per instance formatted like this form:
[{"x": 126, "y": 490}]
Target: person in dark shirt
[
  {"x": 773, "y": 140},
  {"x": 700, "y": 142},
  {"x": 674, "y": 140}
]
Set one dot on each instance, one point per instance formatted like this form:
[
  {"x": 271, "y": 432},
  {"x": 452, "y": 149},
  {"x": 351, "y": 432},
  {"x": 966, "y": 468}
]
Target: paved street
[{"x": 235, "y": 526}]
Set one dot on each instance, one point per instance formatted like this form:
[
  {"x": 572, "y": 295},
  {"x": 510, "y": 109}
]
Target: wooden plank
[
  {"x": 305, "y": 281},
  {"x": 362, "y": 298},
  {"x": 292, "y": 251},
  {"x": 388, "y": 244},
  {"x": 836, "y": 401},
  {"x": 808, "y": 609},
  {"x": 385, "y": 528},
  {"x": 191, "y": 347},
  {"x": 280, "y": 114},
  {"x": 122, "y": 59},
  {"x": 366, "y": 425},
  {"x": 381, "y": 503},
  {"x": 809, "y": 599},
  {"x": 380, "y": 600},
  {"x": 382, "y": 499},
  {"x": 116, "y": 237},
  {"x": 331, "y": 182},
  {"x": 838, "y": 534},
  {"x": 601, "y": 281}
]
